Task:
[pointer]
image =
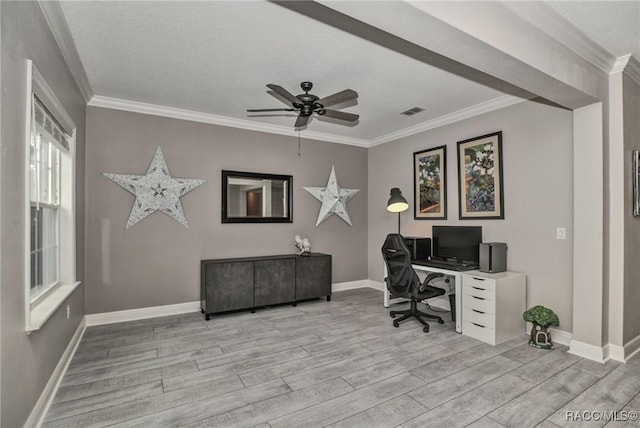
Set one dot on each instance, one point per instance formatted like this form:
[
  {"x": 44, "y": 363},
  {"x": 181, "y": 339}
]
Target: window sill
[{"x": 46, "y": 307}]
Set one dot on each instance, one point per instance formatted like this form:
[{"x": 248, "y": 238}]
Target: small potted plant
[{"x": 542, "y": 318}]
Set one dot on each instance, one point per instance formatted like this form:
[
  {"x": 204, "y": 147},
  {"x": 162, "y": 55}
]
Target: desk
[
  {"x": 457, "y": 281},
  {"x": 489, "y": 306}
]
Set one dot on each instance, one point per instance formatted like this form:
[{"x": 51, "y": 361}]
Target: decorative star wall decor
[
  {"x": 334, "y": 199},
  {"x": 156, "y": 191}
]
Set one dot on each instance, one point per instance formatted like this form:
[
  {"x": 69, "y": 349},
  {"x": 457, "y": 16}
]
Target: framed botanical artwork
[
  {"x": 480, "y": 190},
  {"x": 429, "y": 183}
]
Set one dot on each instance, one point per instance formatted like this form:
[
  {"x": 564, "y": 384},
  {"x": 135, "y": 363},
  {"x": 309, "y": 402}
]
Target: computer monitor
[{"x": 459, "y": 243}]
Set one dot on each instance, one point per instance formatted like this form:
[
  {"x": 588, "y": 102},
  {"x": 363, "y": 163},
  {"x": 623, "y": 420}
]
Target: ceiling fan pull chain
[{"x": 298, "y": 143}]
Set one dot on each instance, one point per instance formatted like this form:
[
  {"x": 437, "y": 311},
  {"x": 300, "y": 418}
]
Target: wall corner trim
[
  {"x": 141, "y": 313},
  {"x": 590, "y": 352},
  {"x": 39, "y": 411}
]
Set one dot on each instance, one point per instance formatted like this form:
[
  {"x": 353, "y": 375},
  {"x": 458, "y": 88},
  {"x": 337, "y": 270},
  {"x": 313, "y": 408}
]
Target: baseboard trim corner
[
  {"x": 585, "y": 350},
  {"x": 614, "y": 352},
  {"x": 362, "y": 283},
  {"x": 141, "y": 313},
  {"x": 631, "y": 348},
  {"x": 39, "y": 411}
]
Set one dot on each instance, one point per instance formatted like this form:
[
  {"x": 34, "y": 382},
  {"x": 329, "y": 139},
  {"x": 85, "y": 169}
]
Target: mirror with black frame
[{"x": 251, "y": 197}]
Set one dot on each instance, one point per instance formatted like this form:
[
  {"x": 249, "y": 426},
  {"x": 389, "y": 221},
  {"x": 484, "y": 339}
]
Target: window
[
  {"x": 47, "y": 140},
  {"x": 50, "y": 253}
]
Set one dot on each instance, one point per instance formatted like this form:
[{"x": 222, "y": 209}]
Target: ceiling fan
[{"x": 307, "y": 104}]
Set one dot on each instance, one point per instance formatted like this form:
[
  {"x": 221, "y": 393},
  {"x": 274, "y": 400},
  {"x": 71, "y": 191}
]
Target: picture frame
[
  {"x": 635, "y": 176},
  {"x": 480, "y": 179},
  {"x": 430, "y": 184}
]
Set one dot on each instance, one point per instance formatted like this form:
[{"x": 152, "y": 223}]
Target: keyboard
[{"x": 444, "y": 264}]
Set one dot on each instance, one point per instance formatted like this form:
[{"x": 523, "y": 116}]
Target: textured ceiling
[
  {"x": 216, "y": 57},
  {"x": 614, "y": 25}
]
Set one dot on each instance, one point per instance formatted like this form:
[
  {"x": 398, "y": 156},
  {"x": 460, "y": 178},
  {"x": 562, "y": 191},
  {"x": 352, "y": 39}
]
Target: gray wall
[
  {"x": 631, "y": 102},
  {"x": 537, "y": 158},
  {"x": 157, "y": 261},
  {"x": 28, "y": 361}
]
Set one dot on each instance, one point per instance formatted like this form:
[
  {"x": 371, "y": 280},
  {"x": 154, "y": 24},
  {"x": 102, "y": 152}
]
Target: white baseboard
[
  {"x": 614, "y": 352},
  {"x": 362, "y": 283},
  {"x": 559, "y": 336},
  {"x": 631, "y": 348},
  {"x": 141, "y": 313},
  {"x": 585, "y": 350},
  {"x": 183, "y": 308},
  {"x": 39, "y": 411}
]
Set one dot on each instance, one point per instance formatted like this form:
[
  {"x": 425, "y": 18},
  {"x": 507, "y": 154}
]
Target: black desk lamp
[{"x": 397, "y": 203}]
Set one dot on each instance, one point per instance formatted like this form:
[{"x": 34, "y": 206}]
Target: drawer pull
[
  {"x": 479, "y": 288},
  {"x": 477, "y": 324},
  {"x": 480, "y": 312},
  {"x": 478, "y": 279},
  {"x": 479, "y": 298}
]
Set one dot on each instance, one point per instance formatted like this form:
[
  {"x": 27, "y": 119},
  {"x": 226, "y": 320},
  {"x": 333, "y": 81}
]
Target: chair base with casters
[{"x": 413, "y": 311}]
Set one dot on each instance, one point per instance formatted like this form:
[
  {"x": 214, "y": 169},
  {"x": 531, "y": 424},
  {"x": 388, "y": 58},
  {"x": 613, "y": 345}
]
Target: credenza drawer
[
  {"x": 480, "y": 332},
  {"x": 479, "y": 303},
  {"x": 475, "y": 316}
]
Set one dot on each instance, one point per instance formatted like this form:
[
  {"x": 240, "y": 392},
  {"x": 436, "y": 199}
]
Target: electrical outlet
[
  {"x": 68, "y": 311},
  {"x": 561, "y": 233}
]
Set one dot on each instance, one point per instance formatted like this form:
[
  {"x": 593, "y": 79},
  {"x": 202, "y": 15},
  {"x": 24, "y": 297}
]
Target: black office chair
[{"x": 402, "y": 281}]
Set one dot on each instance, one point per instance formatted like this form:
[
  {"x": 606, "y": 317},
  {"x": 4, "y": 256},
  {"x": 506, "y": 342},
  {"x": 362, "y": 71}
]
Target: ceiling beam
[{"x": 484, "y": 42}]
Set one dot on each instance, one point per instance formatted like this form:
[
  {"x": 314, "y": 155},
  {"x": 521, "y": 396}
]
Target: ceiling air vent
[{"x": 413, "y": 111}]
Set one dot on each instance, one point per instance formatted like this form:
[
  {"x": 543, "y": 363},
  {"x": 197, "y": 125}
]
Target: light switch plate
[{"x": 561, "y": 233}]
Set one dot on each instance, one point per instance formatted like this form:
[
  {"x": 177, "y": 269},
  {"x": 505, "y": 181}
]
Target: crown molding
[
  {"x": 465, "y": 113},
  {"x": 620, "y": 64},
  {"x": 58, "y": 25},
  {"x": 195, "y": 116},
  {"x": 557, "y": 27},
  {"x": 632, "y": 70}
]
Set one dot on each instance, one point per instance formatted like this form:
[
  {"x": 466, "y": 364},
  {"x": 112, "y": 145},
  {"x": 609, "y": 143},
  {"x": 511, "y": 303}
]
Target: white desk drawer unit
[{"x": 492, "y": 305}]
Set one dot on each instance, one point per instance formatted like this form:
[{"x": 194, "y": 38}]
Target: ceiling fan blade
[
  {"x": 270, "y": 109},
  {"x": 339, "y": 97},
  {"x": 349, "y": 117},
  {"x": 283, "y": 93},
  {"x": 301, "y": 121}
]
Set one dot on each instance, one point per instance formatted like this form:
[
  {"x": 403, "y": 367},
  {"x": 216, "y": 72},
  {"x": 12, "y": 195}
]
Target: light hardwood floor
[{"x": 338, "y": 364}]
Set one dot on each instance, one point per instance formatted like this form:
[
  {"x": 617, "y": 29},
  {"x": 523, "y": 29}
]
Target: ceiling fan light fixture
[{"x": 306, "y": 104}]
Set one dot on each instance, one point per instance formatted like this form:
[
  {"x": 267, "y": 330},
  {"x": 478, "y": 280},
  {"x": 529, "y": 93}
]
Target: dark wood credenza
[{"x": 252, "y": 282}]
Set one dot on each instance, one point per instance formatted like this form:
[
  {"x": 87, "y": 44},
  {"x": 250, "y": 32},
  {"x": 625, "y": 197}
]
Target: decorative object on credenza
[
  {"x": 155, "y": 191},
  {"x": 542, "y": 318},
  {"x": 635, "y": 175},
  {"x": 303, "y": 245},
  {"x": 397, "y": 204},
  {"x": 429, "y": 184},
  {"x": 480, "y": 189},
  {"x": 306, "y": 104},
  {"x": 334, "y": 199}
]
